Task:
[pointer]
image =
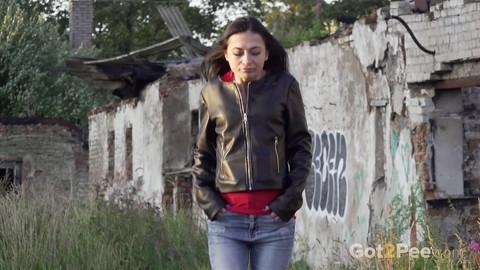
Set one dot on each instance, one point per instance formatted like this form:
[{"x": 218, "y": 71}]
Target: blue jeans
[{"x": 236, "y": 241}]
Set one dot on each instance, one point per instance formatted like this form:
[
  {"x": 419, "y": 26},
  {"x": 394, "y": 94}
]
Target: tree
[
  {"x": 302, "y": 20},
  {"x": 31, "y": 47},
  {"x": 123, "y": 26}
]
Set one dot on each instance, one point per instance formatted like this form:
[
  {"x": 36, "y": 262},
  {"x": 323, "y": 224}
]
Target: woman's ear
[{"x": 266, "y": 57}]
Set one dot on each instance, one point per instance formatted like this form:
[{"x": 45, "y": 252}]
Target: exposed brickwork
[
  {"x": 128, "y": 154},
  {"x": 54, "y": 153},
  {"x": 183, "y": 192},
  {"x": 81, "y": 24},
  {"x": 421, "y": 156},
  {"x": 177, "y": 193},
  {"x": 460, "y": 215},
  {"x": 167, "y": 197},
  {"x": 471, "y": 125}
]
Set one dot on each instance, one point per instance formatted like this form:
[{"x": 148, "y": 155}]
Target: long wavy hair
[{"x": 215, "y": 64}]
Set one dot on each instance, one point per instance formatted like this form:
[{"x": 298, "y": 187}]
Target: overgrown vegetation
[
  {"x": 50, "y": 232},
  {"x": 53, "y": 232},
  {"x": 407, "y": 217},
  {"x": 30, "y": 49}
]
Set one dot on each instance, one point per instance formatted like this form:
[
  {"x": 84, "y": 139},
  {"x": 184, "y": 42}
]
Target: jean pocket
[{"x": 215, "y": 227}]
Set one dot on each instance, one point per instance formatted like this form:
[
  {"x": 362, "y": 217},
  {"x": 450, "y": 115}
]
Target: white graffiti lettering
[{"x": 326, "y": 189}]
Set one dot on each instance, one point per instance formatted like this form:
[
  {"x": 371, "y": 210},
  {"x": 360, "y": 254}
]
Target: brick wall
[
  {"x": 54, "y": 153},
  {"x": 455, "y": 200},
  {"x": 80, "y": 24},
  {"x": 443, "y": 102},
  {"x": 471, "y": 125},
  {"x": 451, "y": 29}
]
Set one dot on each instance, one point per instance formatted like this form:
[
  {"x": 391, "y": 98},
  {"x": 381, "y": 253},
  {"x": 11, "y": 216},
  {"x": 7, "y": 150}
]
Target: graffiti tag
[{"x": 326, "y": 189}]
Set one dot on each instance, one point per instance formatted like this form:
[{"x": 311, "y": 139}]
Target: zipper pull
[{"x": 245, "y": 117}]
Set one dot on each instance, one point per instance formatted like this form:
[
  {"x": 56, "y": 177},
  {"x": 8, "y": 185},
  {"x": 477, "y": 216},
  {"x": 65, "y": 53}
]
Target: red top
[
  {"x": 228, "y": 77},
  {"x": 253, "y": 202}
]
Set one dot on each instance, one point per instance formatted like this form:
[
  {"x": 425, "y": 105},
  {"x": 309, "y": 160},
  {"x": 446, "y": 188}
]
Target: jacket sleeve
[
  {"x": 299, "y": 156},
  {"x": 208, "y": 198}
]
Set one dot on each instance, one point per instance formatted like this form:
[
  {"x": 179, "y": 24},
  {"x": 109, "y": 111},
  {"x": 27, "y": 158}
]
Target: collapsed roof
[{"x": 126, "y": 75}]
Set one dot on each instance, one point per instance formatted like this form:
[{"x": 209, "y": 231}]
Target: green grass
[
  {"x": 55, "y": 233},
  {"x": 51, "y": 232}
]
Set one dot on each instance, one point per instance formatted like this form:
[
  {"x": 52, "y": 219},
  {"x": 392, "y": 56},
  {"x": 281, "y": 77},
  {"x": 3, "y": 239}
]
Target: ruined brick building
[
  {"x": 393, "y": 107},
  {"x": 43, "y": 155}
]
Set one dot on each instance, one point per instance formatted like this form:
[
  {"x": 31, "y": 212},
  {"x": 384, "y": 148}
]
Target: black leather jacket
[{"x": 264, "y": 144}]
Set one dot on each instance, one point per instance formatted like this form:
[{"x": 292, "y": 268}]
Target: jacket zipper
[
  {"x": 222, "y": 156},
  {"x": 276, "y": 154},
  {"x": 247, "y": 135}
]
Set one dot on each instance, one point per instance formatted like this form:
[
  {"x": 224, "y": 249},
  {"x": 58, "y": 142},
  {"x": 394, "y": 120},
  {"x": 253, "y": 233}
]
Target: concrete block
[
  {"x": 438, "y": 6},
  {"x": 471, "y": 44},
  {"x": 467, "y": 54},
  {"x": 455, "y": 19},
  {"x": 440, "y": 68},
  {"x": 441, "y": 22},
  {"x": 475, "y": 15},
  {"x": 476, "y": 53},
  {"x": 448, "y": 20},
  {"x": 398, "y": 4},
  {"x": 456, "y": 3}
]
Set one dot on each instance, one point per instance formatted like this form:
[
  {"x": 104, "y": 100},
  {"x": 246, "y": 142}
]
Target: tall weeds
[{"x": 51, "y": 232}]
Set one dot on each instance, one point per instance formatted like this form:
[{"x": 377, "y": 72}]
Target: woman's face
[{"x": 246, "y": 54}]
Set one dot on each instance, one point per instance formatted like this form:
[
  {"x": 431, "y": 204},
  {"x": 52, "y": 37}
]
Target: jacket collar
[{"x": 229, "y": 77}]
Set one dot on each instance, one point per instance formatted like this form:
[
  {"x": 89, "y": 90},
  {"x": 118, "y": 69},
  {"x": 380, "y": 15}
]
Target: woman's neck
[{"x": 245, "y": 82}]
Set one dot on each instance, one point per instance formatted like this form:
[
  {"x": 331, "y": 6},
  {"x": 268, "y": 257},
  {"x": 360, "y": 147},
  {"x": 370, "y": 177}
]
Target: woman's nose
[{"x": 247, "y": 58}]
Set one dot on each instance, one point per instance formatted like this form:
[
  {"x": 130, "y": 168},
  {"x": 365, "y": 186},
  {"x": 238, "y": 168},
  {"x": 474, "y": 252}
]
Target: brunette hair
[{"x": 215, "y": 64}]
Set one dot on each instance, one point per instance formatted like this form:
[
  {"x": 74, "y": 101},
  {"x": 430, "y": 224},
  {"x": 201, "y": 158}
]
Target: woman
[{"x": 253, "y": 152}]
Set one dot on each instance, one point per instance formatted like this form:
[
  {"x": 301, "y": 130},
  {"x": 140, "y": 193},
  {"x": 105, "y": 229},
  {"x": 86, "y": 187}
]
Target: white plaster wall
[
  {"x": 338, "y": 81},
  {"x": 145, "y": 119},
  {"x": 194, "y": 89},
  {"x": 149, "y": 158},
  {"x": 336, "y": 103}
]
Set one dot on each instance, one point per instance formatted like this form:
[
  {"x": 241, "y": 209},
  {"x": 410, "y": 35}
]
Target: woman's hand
[
  {"x": 273, "y": 215},
  {"x": 220, "y": 213}
]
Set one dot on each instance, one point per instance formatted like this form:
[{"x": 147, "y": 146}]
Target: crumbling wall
[
  {"x": 362, "y": 162},
  {"x": 52, "y": 155},
  {"x": 138, "y": 147},
  {"x": 442, "y": 106},
  {"x": 374, "y": 107}
]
